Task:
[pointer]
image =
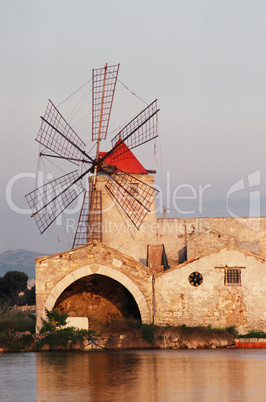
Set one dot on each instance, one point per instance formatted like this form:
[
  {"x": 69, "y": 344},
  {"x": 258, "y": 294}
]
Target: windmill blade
[
  {"x": 141, "y": 129},
  {"x": 134, "y": 196},
  {"x": 89, "y": 226},
  {"x": 49, "y": 201},
  {"x": 103, "y": 88},
  {"x": 95, "y": 216},
  {"x": 57, "y": 135},
  {"x": 81, "y": 235}
]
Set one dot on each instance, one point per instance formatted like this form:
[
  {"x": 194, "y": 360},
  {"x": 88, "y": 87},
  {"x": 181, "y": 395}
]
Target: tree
[
  {"x": 29, "y": 297},
  {"x": 11, "y": 284}
]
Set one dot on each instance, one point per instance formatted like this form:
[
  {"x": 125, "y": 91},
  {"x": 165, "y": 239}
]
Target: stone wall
[
  {"x": 183, "y": 238},
  {"x": 117, "y": 229},
  {"x": 54, "y": 274},
  {"x": 204, "y": 235},
  {"x": 202, "y": 244},
  {"x": 166, "y": 298},
  {"x": 213, "y": 303}
]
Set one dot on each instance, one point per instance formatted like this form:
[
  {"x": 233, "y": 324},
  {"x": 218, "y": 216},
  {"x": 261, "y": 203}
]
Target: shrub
[
  {"x": 232, "y": 330},
  {"x": 53, "y": 335},
  {"x": 64, "y": 337},
  {"x": 16, "y": 340},
  {"x": 147, "y": 332},
  {"x": 11, "y": 284},
  {"x": 5, "y": 309},
  {"x": 10, "y": 319},
  {"x": 56, "y": 319},
  {"x": 253, "y": 334}
]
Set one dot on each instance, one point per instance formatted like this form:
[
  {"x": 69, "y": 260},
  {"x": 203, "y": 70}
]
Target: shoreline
[
  {"x": 87, "y": 347},
  {"x": 127, "y": 335}
]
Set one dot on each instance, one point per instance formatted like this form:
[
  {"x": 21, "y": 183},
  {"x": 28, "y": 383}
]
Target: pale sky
[{"x": 205, "y": 62}]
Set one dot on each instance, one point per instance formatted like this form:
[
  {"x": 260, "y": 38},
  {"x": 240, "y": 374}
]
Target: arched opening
[{"x": 99, "y": 298}]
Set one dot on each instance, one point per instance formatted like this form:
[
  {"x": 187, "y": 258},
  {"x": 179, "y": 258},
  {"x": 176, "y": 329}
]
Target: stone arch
[{"x": 105, "y": 271}]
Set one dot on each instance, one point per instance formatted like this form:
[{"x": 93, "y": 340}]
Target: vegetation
[
  {"x": 55, "y": 335},
  {"x": 253, "y": 334},
  {"x": 147, "y": 332},
  {"x": 13, "y": 289},
  {"x": 232, "y": 330},
  {"x": 17, "y": 332},
  {"x": 65, "y": 338},
  {"x": 139, "y": 335},
  {"x": 13, "y": 320},
  {"x": 16, "y": 328},
  {"x": 55, "y": 320}
]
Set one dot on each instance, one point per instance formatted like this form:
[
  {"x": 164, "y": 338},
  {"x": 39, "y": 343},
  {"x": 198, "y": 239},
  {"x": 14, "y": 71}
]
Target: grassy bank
[
  {"x": 17, "y": 333},
  {"x": 128, "y": 334}
]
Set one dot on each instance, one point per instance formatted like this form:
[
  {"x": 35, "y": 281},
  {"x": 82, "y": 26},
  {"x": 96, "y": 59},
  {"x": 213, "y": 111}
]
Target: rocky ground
[{"x": 115, "y": 336}]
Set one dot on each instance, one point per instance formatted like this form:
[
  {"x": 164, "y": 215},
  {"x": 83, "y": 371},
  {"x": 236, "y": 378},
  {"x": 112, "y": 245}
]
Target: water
[{"x": 181, "y": 375}]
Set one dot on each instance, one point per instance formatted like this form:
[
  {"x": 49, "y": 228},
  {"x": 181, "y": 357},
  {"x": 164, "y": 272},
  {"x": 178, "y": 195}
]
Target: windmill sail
[
  {"x": 49, "y": 201},
  {"x": 103, "y": 88},
  {"x": 95, "y": 216},
  {"x": 89, "y": 226},
  {"x": 141, "y": 129},
  {"x": 81, "y": 234},
  {"x": 134, "y": 196},
  {"x": 57, "y": 135}
]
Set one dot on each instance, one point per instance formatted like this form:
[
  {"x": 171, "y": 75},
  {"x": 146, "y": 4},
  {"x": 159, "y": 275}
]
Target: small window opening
[
  {"x": 232, "y": 276},
  {"x": 195, "y": 279}
]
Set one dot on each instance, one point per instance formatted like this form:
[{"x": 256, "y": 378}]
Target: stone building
[{"x": 215, "y": 274}]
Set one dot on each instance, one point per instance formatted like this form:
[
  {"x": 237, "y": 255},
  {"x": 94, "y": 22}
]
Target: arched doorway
[
  {"x": 99, "y": 269},
  {"x": 99, "y": 298}
]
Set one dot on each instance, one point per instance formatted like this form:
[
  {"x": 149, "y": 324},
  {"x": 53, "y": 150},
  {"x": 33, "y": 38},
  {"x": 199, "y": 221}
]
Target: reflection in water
[
  {"x": 17, "y": 377},
  {"x": 150, "y": 375},
  {"x": 202, "y": 375}
]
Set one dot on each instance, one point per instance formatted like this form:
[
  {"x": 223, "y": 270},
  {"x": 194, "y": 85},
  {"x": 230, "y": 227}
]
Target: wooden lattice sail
[{"x": 61, "y": 141}]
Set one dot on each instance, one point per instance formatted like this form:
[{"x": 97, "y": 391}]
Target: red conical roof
[{"x": 124, "y": 159}]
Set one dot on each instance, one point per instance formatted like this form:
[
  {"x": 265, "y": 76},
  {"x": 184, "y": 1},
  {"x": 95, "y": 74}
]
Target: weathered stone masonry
[
  {"x": 167, "y": 298},
  {"x": 207, "y": 246},
  {"x": 214, "y": 303},
  {"x": 54, "y": 274}
]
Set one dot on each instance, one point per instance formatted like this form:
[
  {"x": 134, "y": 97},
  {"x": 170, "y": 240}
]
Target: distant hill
[{"x": 18, "y": 260}]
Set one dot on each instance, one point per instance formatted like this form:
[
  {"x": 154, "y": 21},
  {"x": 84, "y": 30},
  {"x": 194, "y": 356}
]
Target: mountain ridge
[{"x": 19, "y": 260}]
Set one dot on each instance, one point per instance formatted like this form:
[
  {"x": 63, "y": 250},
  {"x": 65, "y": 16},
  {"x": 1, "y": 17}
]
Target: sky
[{"x": 204, "y": 61}]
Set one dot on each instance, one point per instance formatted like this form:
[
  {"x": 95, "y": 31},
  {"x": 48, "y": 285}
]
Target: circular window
[{"x": 195, "y": 279}]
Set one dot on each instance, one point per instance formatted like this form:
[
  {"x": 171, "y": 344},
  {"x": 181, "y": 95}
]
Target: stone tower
[{"x": 117, "y": 229}]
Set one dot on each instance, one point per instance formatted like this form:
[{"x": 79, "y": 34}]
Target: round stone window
[{"x": 195, "y": 279}]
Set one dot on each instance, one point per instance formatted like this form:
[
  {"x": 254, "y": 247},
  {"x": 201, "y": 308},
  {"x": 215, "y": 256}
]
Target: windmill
[{"x": 61, "y": 141}]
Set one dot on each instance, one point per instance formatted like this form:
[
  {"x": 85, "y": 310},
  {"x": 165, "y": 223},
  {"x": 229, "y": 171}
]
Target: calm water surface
[{"x": 186, "y": 375}]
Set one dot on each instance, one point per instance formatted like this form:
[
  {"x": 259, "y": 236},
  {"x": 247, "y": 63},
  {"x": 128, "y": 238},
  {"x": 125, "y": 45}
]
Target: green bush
[
  {"x": 18, "y": 322},
  {"x": 253, "y": 334},
  {"x": 16, "y": 340},
  {"x": 11, "y": 319},
  {"x": 64, "y": 337},
  {"x": 147, "y": 332},
  {"x": 6, "y": 309},
  {"x": 56, "y": 319},
  {"x": 11, "y": 285},
  {"x": 53, "y": 335},
  {"x": 232, "y": 330}
]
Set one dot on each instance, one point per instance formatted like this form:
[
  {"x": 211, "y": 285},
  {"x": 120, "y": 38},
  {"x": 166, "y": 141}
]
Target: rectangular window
[{"x": 232, "y": 276}]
